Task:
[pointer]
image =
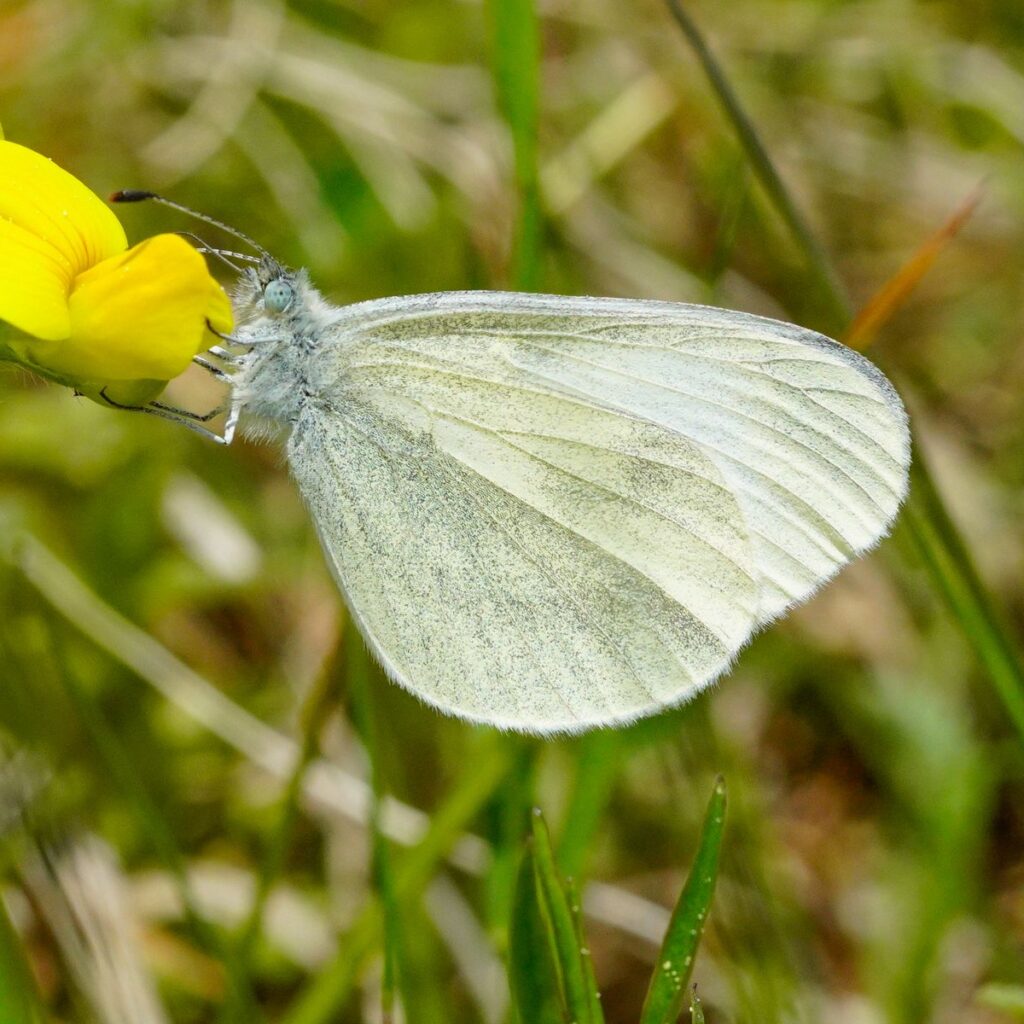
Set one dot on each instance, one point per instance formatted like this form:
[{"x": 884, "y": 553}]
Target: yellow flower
[{"x": 86, "y": 310}]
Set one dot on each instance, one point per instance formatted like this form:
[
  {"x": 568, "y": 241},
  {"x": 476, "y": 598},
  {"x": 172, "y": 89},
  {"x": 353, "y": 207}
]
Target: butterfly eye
[{"x": 277, "y": 296}]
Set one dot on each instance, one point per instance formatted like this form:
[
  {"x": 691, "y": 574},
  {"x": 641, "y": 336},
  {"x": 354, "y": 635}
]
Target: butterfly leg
[
  {"x": 216, "y": 371},
  {"x": 232, "y": 421},
  {"x": 231, "y": 358},
  {"x": 243, "y": 343},
  {"x": 190, "y": 420},
  {"x": 185, "y": 414},
  {"x": 229, "y": 339}
]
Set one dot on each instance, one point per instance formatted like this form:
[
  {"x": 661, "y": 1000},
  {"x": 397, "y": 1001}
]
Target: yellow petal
[
  {"x": 51, "y": 229},
  {"x": 34, "y": 284},
  {"x": 55, "y": 207},
  {"x": 139, "y": 315},
  {"x": 218, "y": 312}
]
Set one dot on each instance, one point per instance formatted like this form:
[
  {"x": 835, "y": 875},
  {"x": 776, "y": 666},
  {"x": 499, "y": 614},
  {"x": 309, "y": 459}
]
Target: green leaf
[
  {"x": 533, "y": 973},
  {"x": 679, "y": 949},
  {"x": 577, "y": 991}
]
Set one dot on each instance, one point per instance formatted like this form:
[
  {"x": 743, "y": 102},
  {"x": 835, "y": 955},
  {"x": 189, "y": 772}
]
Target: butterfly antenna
[
  {"x": 226, "y": 256},
  {"x": 136, "y": 195}
]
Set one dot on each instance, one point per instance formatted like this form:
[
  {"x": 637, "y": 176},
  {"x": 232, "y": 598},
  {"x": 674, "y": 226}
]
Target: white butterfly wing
[{"x": 550, "y": 513}]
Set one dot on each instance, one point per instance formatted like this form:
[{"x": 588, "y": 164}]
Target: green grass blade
[
  {"x": 19, "y": 1000},
  {"x": 932, "y": 529},
  {"x": 516, "y": 68},
  {"x": 951, "y": 567},
  {"x": 511, "y": 813},
  {"x": 679, "y": 949},
  {"x": 818, "y": 264},
  {"x": 696, "y": 1010},
  {"x": 576, "y": 909},
  {"x": 533, "y": 973},
  {"x": 576, "y": 991}
]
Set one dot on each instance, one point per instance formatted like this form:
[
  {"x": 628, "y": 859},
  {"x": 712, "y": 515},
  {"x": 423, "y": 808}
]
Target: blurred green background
[{"x": 873, "y": 867}]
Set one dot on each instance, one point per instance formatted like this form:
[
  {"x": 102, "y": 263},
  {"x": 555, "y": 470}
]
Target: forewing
[{"x": 550, "y": 513}]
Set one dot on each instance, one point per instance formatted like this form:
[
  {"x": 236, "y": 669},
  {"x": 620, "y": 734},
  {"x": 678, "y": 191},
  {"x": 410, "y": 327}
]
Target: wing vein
[
  {"x": 714, "y": 453},
  {"x": 732, "y": 411},
  {"x": 748, "y": 366},
  {"x": 618, "y": 494}
]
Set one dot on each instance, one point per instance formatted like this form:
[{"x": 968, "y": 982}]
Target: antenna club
[
  {"x": 137, "y": 195},
  {"x": 132, "y": 195}
]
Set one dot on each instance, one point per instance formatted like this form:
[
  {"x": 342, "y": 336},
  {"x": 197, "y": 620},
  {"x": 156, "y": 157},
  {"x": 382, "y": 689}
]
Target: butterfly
[{"x": 551, "y": 513}]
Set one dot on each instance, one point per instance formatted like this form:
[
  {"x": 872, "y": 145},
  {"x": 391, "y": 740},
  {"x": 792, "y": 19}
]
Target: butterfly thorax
[{"x": 278, "y": 375}]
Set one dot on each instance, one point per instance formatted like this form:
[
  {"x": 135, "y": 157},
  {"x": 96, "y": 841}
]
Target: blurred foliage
[{"x": 872, "y": 870}]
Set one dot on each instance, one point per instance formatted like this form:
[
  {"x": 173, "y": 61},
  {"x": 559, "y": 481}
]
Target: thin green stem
[
  {"x": 361, "y": 688},
  {"x": 598, "y": 760},
  {"x": 511, "y": 816},
  {"x": 516, "y": 64}
]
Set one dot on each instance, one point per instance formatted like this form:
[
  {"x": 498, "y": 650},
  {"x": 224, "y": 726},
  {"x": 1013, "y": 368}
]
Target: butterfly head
[
  {"x": 272, "y": 298},
  {"x": 274, "y": 303},
  {"x": 267, "y": 289}
]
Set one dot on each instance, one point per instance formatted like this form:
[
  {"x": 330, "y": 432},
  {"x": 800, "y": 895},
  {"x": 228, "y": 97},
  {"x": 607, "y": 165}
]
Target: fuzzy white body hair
[
  {"x": 281, "y": 371},
  {"x": 550, "y": 513}
]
